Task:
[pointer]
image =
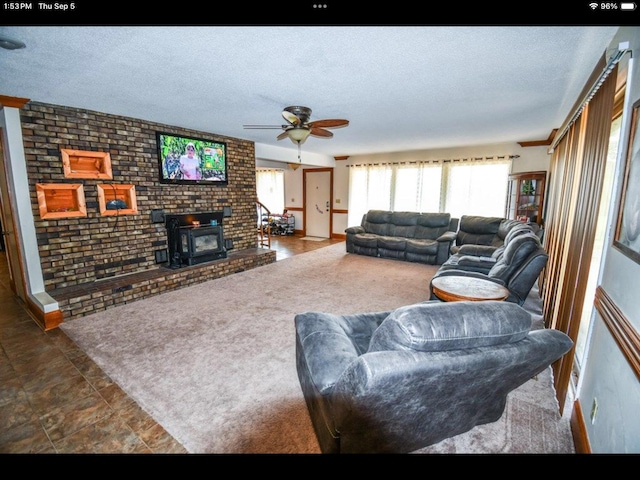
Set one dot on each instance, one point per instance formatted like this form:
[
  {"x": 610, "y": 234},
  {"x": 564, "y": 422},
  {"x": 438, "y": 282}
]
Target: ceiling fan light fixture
[
  {"x": 11, "y": 44},
  {"x": 298, "y": 135}
]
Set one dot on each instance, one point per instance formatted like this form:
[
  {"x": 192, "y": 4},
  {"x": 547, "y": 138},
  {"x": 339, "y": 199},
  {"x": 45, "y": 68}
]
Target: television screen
[{"x": 191, "y": 160}]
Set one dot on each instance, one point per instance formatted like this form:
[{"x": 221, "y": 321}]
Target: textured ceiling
[{"x": 401, "y": 88}]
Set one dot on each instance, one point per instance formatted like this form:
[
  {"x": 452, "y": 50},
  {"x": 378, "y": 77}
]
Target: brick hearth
[{"x": 87, "y": 298}]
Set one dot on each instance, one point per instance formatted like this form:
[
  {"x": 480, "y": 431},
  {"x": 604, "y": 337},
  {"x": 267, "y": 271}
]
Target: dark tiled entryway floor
[{"x": 55, "y": 399}]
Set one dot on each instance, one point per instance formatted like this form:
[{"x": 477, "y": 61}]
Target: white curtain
[
  {"x": 417, "y": 187},
  {"x": 458, "y": 187},
  {"x": 477, "y": 188},
  {"x": 369, "y": 189},
  {"x": 270, "y": 188}
]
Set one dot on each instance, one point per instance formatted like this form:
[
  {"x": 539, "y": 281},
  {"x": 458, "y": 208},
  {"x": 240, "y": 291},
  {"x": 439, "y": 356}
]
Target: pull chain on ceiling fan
[{"x": 298, "y": 127}]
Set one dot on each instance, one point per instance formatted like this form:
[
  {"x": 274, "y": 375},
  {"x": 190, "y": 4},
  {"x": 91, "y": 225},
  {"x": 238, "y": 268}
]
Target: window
[
  {"x": 459, "y": 187},
  {"x": 270, "y": 188}
]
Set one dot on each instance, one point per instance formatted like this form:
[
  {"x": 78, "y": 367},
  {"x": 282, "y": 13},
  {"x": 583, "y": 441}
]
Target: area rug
[
  {"x": 214, "y": 363},
  {"x": 314, "y": 239}
]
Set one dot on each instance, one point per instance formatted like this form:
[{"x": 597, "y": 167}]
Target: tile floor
[{"x": 55, "y": 399}]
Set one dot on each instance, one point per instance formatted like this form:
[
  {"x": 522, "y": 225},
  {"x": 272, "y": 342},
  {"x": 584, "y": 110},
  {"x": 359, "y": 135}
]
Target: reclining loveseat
[{"x": 410, "y": 236}]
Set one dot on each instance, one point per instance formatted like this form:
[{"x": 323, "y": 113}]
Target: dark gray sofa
[
  {"x": 398, "y": 381},
  {"x": 410, "y": 236}
]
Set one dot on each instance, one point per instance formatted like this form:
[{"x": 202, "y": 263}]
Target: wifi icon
[{"x": 593, "y": 5}]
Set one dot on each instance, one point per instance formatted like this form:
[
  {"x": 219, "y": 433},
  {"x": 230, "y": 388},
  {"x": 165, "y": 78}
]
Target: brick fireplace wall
[{"x": 81, "y": 250}]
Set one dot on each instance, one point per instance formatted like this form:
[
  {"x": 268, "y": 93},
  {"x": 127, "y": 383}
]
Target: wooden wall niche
[
  {"x": 85, "y": 164},
  {"x": 117, "y": 199},
  {"x": 61, "y": 200}
]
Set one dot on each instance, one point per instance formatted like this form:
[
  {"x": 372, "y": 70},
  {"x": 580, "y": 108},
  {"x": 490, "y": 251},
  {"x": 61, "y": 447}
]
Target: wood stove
[
  {"x": 195, "y": 238},
  {"x": 201, "y": 244}
]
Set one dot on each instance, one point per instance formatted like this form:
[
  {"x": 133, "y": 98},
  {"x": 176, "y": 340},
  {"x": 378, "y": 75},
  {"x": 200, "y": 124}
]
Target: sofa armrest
[
  {"x": 447, "y": 237},
  {"x": 357, "y": 229},
  {"x": 331, "y": 342},
  {"x": 444, "y": 246},
  {"x": 476, "y": 250},
  {"x": 483, "y": 264},
  {"x": 465, "y": 273}
]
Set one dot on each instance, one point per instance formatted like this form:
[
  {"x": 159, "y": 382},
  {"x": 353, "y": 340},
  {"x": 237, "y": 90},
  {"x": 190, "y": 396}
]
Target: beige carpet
[
  {"x": 214, "y": 363},
  {"x": 314, "y": 239}
]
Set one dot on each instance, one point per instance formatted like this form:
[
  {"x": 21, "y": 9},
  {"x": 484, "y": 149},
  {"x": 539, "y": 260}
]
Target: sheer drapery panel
[{"x": 474, "y": 186}]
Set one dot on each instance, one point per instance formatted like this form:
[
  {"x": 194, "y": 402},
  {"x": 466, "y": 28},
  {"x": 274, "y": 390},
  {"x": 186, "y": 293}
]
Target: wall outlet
[{"x": 594, "y": 410}]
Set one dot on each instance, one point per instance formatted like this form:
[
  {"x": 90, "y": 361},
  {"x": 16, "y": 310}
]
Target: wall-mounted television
[{"x": 190, "y": 160}]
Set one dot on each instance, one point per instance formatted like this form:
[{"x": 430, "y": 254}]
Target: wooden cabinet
[{"x": 525, "y": 196}]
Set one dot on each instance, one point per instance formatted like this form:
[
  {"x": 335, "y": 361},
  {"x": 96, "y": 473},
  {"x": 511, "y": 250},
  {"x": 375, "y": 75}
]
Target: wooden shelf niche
[
  {"x": 117, "y": 199},
  {"x": 61, "y": 200},
  {"x": 85, "y": 164}
]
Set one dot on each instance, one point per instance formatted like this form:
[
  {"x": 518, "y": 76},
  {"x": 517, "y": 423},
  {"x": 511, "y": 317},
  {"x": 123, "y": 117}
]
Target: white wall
[
  {"x": 18, "y": 188},
  {"x": 606, "y": 375}
]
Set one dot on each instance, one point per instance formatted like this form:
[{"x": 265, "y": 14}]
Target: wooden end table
[{"x": 455, "y": 289}]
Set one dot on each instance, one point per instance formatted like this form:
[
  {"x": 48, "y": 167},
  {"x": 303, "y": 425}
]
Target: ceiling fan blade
[
  {"x": 265, "y": 126},
  {"x": 321, "y": 132},
  {"x": 291, "y": 118},
  {"x": 283, "y": 135},
  {"x": 329, "y": 123}
]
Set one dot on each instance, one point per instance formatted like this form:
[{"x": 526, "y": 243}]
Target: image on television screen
[{"x": 191, "y": 160}]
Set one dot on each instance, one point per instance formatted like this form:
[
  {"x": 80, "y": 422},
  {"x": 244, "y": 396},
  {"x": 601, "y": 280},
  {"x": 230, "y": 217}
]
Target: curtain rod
[
  {"x": 410, "y": 162},
  {"x": 623, "y": 47}
]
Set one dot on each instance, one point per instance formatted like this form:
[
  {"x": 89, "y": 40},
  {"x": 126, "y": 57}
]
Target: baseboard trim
[
  {"x": 46, "y": 320},
  {"x": 579, "y": 430}
]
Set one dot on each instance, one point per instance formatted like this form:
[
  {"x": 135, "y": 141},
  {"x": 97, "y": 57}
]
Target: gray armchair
[
  {"x": 398, "y": 381},
  {"x": 515, "y": 265}
]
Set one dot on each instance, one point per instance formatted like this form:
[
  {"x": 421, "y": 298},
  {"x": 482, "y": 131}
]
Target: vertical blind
[{"x": 576, "y": 171}]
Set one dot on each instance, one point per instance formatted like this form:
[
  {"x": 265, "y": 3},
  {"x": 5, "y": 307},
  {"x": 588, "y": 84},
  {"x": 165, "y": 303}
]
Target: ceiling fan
[{"x": 298, "y": 127}]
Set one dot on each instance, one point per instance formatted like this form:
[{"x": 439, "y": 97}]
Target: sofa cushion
[
  {"x": 392, "y": 243},
  {"x": 480, "y": 225},
  {"x": 516, "y": 229},
  {"x": 377, "y": 221},
  {"x": 478, "y": 230},
  {"x": 369, "y": 240},
  {"x": 422, "y": 246},
  {"x": 402, "y": 224},
  {"x": 404, "y": 218},
  {"x": 441, "y": 326},
  {"x": 515, "y": 253},
  {"x": 432, "y": 225}
]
